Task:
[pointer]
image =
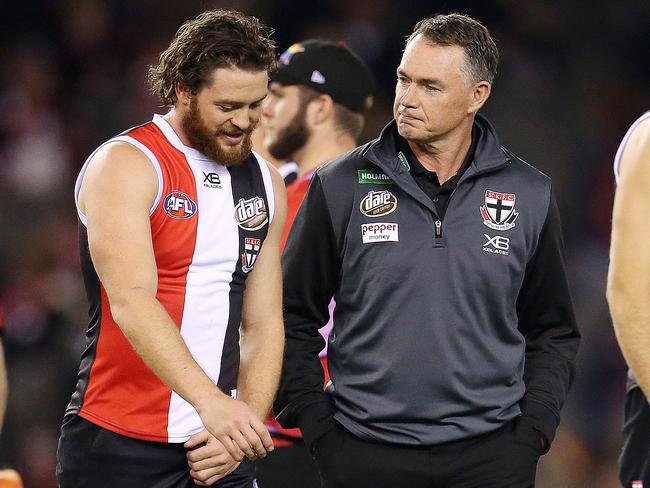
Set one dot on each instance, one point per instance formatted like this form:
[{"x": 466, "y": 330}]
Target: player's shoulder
[
  {"x": 264, "y": 164},
  {"x": 633, "y": 154},
  {"x": 118, "y": 165},
  {"x": 640, "y": 131}
]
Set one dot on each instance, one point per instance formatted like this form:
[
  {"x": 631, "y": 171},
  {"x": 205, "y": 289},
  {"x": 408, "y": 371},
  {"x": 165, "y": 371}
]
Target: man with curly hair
[{"x": 180, "y": 224}]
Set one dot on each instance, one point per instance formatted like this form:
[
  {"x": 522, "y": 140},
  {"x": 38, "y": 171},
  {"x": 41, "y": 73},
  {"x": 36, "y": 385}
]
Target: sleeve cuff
[
  {"x": 315, "y": 418},
  {"x": 542, "y": 419}
]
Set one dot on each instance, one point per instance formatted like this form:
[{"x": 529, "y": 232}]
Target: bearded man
[{"x": 180, "y": 225}]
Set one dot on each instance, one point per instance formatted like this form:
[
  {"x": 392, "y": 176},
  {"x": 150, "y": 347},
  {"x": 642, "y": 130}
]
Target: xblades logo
[
  {"x": 211, "y": 180},
  {"x": 497, "y": 245}
]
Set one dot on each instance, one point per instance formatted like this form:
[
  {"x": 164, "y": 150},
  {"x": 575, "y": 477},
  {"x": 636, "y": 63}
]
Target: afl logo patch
[
  {"x": 179, "y": 206},
  {"x": 378, "y": 203},
  {"x": 251, "y": 214}
]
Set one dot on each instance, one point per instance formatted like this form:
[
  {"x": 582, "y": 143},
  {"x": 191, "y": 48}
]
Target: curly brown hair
[{"x": 214, "y": 39}]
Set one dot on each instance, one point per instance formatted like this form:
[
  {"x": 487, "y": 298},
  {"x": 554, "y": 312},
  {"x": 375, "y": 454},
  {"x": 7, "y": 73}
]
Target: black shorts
[
  {"x": 89, "y": 455},
  {"x": 634, "y": 463}
]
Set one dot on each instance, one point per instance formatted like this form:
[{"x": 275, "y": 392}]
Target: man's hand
[
  {"x": 208, "y": 460},
  {"x": 236, "y": 427}
]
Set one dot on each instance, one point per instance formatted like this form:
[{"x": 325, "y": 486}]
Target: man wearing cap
[
  {"x": 315, "y": 110},
  {"x": 318, "y": 95}
]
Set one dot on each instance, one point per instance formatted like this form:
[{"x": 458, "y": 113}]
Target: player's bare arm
[
  {"x": 262, "y": 346},
  {"x": 119, "y": 188},
  {"x": 628, "y": 287},
  {"x": 262, "y": 328}
]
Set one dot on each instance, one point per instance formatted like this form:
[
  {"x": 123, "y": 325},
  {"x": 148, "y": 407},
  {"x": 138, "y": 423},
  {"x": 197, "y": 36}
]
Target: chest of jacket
[{"x": 394, "y": 239}]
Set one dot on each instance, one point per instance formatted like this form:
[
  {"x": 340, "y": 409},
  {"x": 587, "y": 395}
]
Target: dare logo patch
[{"x": 251, "y": 214}]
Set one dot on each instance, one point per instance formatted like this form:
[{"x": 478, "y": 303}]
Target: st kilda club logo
[
  {"x": 251, "y": 251},
  {"x": 499, "y": 210},
  {"x": 251, "y": 214}
]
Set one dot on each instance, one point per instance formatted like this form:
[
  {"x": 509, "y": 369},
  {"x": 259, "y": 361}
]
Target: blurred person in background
[
  {"x": 318, "y": 96},
  {"x": 628, "y": 294},
  {"x": 287, "y": 169},
  {"x": 454, "y": 337},
  {"x": 315, "y": 111},
  {"x": 173, "y": 217}
]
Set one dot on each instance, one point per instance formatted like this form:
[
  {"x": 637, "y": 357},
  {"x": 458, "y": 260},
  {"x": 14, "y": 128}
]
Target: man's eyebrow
[
  {"x": 238, "y": 103},
  {"x": 421, "y": 81}
]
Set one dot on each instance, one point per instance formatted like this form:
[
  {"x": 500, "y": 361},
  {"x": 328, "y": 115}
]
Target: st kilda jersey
[{"x": 208, "y": 223}]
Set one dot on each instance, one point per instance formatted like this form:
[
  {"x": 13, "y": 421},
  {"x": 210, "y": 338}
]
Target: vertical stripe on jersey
[
  {"x": 247, "y": 181},
  {"x": 208, "y": 287},
  {"x": 91, "y": 282}
]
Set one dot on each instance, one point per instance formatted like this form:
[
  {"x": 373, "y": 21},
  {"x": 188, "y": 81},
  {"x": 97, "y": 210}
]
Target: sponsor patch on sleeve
[{"x": 379, "y": 232}]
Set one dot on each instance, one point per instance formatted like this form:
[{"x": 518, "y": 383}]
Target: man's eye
[{"x": 225, "y": 108}]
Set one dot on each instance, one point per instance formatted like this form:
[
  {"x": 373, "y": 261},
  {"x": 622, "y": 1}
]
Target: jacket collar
[{"x": 488, "y": 155}]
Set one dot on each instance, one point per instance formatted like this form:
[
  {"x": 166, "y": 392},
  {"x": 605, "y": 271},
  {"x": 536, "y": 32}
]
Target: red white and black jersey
[{"x": 208, "y": 223}]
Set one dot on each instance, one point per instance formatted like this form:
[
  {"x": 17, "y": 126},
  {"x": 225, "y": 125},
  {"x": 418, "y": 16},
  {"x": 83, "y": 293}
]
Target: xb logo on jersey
[
  {"x": 178, "y": 205},
  {"x": 211, "y": 180},
  {"x": 497, "y": 245}
]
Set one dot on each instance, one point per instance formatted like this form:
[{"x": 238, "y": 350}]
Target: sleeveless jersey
[
  {"x": 631, "y": 380},
  {"x": 208, "y": 223},
  {"x": 621, "y": 148}
]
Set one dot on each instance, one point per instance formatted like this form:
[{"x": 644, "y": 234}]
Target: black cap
[{"x": 327, "y": 67}]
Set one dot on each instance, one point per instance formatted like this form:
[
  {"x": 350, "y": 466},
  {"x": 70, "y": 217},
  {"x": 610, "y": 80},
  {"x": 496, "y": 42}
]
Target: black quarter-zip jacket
[{"x": 443, "y": 329}]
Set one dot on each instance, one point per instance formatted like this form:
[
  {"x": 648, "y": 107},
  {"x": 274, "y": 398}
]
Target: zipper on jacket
[{"x": 438, "y": 228}]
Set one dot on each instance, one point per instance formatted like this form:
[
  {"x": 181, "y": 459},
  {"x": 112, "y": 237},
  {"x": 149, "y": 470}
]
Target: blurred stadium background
[{"x": 573, "y": 75}]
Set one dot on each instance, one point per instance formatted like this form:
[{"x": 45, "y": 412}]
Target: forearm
[
  {"x": 630, "y": 309},
  {"x": 260, "y": 366},
  {"x": 547, "y": 322},
  {"x": 154, "y": 336}
]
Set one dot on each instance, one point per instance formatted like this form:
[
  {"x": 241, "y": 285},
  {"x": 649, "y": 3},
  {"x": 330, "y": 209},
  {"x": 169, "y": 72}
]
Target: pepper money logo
[
  {"x": 179, "y": 206},
  {"x": 378, "y": 203},
  {"x": 251, "y": 214}
]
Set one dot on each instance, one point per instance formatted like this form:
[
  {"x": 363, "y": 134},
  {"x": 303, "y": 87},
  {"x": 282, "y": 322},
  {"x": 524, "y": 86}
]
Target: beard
[
  {"x": 206, "y": 141},
  {"x": 291, "y": 138}
]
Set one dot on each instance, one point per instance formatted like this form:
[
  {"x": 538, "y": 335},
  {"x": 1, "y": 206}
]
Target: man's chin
[
  {"x": 409, "y": 132},
  {"x": 232, "y": 155}
]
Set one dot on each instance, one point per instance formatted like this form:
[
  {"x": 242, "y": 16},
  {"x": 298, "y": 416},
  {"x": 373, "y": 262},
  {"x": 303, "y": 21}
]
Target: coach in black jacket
[{"x": 454, "y": 336}]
